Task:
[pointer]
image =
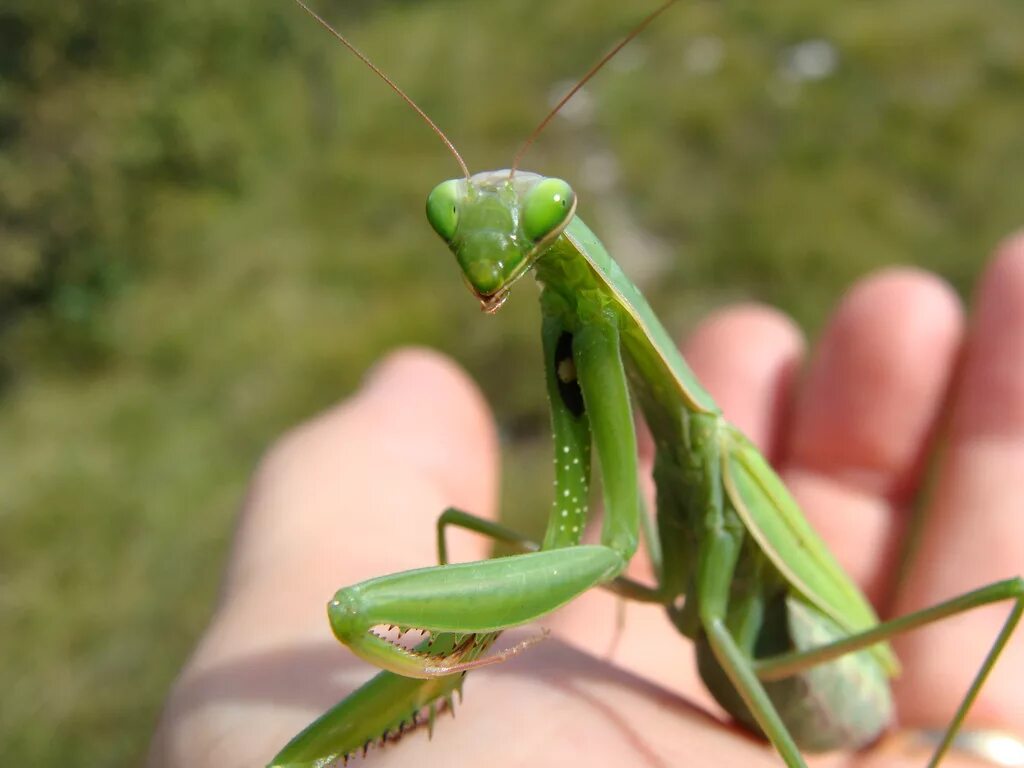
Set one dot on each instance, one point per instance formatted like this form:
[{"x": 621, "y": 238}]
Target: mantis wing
[{"x": 775, "y": 521}]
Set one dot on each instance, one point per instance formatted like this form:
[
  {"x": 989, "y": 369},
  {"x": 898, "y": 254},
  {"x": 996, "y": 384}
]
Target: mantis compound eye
[
  {"x": 546, "y": 207},
  {"x": 443, "y": 209}
]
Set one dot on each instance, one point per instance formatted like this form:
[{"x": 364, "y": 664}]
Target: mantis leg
[
  {"x": 465, "y": 598},
  {"x": 777, "y": 667},
  {"x": 394, "y": 702},
  {"x": 716, "y": 567},
  {"x": 483, "y": 526},
  {"x": 587, "y": 383},
  {"x": 652, "y": 541}
]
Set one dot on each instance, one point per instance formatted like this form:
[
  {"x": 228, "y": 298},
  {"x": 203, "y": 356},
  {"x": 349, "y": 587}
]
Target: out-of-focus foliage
[
  {"x": 211, "y": 224},
  {"x": 104, "y": 107}
]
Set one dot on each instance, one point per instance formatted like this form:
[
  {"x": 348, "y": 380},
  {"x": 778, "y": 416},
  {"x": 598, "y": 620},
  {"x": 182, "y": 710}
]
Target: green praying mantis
[{"x": 786, "y": 642}]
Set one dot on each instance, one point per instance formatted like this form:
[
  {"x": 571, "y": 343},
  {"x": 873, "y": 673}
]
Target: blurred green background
[{"x": 211, "y": 224}]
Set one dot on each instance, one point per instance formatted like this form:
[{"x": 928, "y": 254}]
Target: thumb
[
  {"x": 355, "y": 492},
  {"x": 351, "y": 494}
]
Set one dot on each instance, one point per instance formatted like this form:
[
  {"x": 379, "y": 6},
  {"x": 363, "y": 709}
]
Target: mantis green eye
[
  {"x": 546, "y": 206},
  {"x": 443, "y": 209}
]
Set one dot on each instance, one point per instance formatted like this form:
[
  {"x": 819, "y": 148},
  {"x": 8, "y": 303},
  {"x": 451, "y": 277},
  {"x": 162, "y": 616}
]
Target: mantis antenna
[
  {"x": 394, "y": 86},
  {"x": 582, "y": 81}
]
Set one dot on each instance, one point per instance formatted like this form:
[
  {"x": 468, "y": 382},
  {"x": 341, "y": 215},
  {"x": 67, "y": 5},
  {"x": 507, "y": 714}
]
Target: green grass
[{"x": 237, "y": 206}]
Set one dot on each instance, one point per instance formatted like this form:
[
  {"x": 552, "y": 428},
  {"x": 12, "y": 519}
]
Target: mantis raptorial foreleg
[{"x": 489, "y": 596}]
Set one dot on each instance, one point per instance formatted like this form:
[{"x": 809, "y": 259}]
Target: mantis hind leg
[
  {"x": 1009, "y": 589},
  {"x": 716, "y": 567},
  {"x": 844, "y": 704}
]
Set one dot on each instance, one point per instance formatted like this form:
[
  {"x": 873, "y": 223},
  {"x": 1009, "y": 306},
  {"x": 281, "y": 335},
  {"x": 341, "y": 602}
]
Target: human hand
[{"x": 355, "y": 492}]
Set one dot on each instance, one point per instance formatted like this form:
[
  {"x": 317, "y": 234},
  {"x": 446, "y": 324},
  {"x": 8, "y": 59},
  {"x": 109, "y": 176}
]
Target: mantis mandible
[{"x": 786, "y": 642}]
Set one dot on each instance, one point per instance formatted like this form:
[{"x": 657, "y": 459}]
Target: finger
[
  {"x": 748, "y": 357},
  {"x": 975, "y": 524},
  {"x": 355, "y": 492},
  {"x": 870, "y": 404}
]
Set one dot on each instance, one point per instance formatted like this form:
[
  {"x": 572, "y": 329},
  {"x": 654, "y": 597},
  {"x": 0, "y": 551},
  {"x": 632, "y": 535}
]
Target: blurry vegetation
[{"x": 211, "y": 224}]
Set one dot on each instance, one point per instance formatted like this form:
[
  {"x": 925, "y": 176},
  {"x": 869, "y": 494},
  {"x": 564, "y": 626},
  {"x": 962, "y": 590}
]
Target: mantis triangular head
[{"x": 497, "y": 223}]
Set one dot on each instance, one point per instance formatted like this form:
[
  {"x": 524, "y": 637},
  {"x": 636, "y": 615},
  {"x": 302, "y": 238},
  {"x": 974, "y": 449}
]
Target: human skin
[{"x": 355, "y": 492}]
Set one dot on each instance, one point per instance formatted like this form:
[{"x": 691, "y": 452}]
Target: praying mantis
[{"x": 786, "y": 642}]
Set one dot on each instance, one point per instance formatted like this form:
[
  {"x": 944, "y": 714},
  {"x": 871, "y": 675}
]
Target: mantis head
[{"x": 497, "y": 223}]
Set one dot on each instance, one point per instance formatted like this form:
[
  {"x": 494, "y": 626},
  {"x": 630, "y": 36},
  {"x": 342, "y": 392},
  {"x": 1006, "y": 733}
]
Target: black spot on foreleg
[{"x": 565, "y": 370}]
